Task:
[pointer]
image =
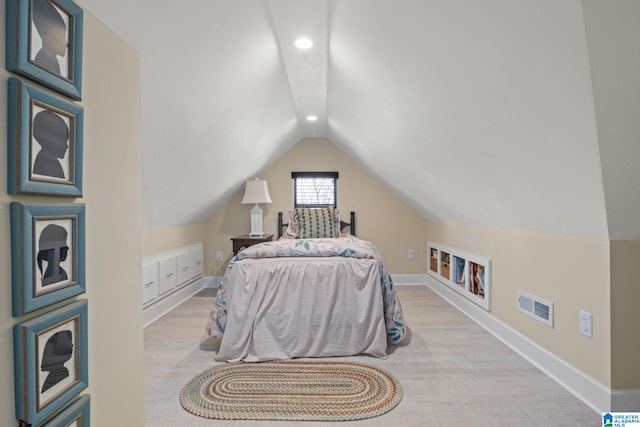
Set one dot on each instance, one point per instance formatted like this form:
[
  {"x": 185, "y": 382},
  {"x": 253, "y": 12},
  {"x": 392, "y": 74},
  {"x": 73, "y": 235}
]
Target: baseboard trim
[
  {"x": 593, "y": 393},
  {"x": 159, "y": 308},
  {"x": 212, "y": 281},
  {"x": 409, "y": 279}
]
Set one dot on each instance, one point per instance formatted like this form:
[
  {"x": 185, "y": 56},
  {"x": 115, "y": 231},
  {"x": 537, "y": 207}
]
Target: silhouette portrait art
[
  {"x": 52, "y": 250},
  {"x": 51, "y": 132},
  {"x": 57, "y": 351},
  {"x": 52, "y": 29}
]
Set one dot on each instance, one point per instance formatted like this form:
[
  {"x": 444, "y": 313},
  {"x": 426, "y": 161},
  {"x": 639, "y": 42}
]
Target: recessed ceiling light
[
  {"x": 312, "y": 118},
  {"x": 303, "y": 43}
]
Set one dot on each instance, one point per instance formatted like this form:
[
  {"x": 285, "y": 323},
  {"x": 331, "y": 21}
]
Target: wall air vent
[{"x": 536, "y": 307}]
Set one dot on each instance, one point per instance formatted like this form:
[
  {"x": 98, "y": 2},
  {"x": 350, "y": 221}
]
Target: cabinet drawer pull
[
  {"x": 199, "y": 262},
  {"x": 168, "y": 275},
  {"x": 148, "y": 284},
  {"x": 185, "y": 268}
]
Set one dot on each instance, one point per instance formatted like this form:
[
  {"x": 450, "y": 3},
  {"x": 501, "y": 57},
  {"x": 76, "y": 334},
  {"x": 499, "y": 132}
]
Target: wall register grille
[{"x": 536, "y": 308}]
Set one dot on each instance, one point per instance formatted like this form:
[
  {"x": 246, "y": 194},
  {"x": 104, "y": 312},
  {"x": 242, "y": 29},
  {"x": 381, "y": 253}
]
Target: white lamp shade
[{"x": 256, "y": 191}]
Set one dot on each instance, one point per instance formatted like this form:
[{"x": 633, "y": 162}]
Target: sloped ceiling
[{"x": 479, "y": 113}]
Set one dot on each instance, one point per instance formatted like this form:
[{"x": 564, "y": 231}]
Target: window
[{"x": 314, "y": 189}]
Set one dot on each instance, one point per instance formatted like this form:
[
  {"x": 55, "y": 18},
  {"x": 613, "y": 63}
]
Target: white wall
[
  {"x": 613, "y": 34},
  {"x": 476, "y": 113},
  {"x": 210, "y": 117}
]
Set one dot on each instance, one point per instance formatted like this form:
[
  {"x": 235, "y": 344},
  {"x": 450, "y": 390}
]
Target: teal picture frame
[
  {"x": 26, "y": 42},
  {"x": 78, "y": 412},
  {"x": 50, "y": 361},
  {"x": 38, "y": 160},
  {"x": 39, "y": 274}
]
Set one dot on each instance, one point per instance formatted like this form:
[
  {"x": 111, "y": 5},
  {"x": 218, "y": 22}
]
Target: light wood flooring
[{"x": 453, "y": 372}]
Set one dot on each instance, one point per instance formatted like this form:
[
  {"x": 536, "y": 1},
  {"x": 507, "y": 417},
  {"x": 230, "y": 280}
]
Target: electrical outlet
[
  {"x": 586, "y": 324},
  {"x": 219, "y": 255},
  {"x": 411, "y": 254}
]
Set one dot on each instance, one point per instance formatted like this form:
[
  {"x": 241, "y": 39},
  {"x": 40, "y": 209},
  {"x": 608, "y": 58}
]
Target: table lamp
[{"x": 256, "y": 191}]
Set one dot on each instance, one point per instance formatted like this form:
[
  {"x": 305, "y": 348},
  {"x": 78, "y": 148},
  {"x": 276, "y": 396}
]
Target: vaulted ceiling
[{"x": 519, "y": 114}]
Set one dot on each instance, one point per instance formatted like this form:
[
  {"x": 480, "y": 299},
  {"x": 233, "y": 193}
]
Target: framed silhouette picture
[
  {"x": 50, "y": 361},
  {"x": 75, "y": 415},
  {"x": 45, "y": 140},
  {"x": 44, "y": 43},
  {"x": 47, "y": 254}
]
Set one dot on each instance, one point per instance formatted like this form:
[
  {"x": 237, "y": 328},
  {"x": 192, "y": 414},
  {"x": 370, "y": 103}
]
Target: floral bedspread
[{"x": 340, "y": 247}]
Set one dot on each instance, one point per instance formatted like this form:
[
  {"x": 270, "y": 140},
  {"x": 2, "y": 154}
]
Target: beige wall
[
  {"x": 162, "y": 239},
  {"x": 111, "y": 99},
  {"x": 381, "y": 217},
  {"x": 625, "y": 315},
  {"x": 572, "y": 273},
  {"x": 114, "y": 221}
]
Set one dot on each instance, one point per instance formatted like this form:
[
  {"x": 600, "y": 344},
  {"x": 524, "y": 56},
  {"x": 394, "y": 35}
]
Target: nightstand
[{"x": 244, "y": 241}]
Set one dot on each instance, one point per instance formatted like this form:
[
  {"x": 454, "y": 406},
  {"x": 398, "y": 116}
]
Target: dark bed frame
[{"x": 351, "y": 224}]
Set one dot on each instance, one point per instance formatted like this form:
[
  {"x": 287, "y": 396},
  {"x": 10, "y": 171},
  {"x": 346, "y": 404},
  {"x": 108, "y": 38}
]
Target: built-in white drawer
[
  {"x": 197, "y": 261},
  {"x": 185, "y": 267},
  {"x": 168, "y": 272},
  {"x": 149, "y": 282},
  {"x": 167, "y": 277}
]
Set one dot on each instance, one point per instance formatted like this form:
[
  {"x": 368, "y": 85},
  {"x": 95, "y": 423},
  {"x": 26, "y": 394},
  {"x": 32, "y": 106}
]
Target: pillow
[
  {"x": 317, "y": 223},
  {"x": 337, "y": 222},
  {"x": 293, "y": 228},
  {"x": 311, "y": 223}
]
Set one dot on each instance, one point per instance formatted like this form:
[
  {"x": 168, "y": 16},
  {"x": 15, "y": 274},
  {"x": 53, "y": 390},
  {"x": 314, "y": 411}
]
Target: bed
[{"x": 314, "y": 292}]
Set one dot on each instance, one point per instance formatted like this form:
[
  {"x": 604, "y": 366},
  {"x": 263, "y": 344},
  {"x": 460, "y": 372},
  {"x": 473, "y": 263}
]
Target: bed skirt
[{"x": 287, "y": 308}]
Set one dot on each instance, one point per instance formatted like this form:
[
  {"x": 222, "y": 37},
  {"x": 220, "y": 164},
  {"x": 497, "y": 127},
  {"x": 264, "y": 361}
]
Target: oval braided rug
[{"x": 291, "y": 390}]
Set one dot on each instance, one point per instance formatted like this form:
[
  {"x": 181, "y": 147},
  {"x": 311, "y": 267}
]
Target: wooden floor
[{"x": 452, "y": 371}]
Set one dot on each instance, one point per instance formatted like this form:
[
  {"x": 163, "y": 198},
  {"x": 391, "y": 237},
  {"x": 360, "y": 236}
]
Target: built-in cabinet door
[
  {"x": 184, "y": 267},
  {"x": 164, "y": 273},
  {"x": 149, "y": 282},
  {"x": 167, "y": 279},
  {"x": 196, "y": 259}
]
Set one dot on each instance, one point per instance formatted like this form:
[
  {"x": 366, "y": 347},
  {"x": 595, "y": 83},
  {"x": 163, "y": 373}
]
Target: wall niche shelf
[{"x": 465, "y": 273}]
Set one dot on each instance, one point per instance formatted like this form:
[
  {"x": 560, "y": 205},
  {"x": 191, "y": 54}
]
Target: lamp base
[{"x": 256, "y": 222}]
